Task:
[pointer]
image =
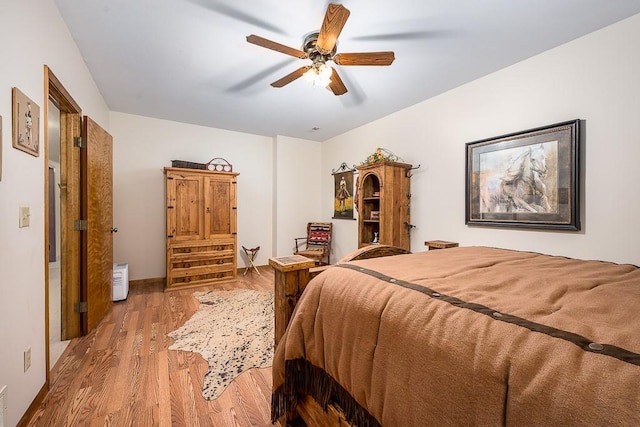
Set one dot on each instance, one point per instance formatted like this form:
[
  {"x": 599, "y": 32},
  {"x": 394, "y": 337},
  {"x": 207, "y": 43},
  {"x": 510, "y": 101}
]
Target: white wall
[
  {"x": 143, "y": 147},
  {"x": 33, "y": 35},
  {"x": 297, "y": 191},
  {"x": 594, "y": 78}
]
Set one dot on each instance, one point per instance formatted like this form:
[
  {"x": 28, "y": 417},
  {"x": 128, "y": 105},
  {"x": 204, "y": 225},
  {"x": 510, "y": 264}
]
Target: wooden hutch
[
  {"x": 383, "y": 204},
  {"x": 201, "y": 227}
]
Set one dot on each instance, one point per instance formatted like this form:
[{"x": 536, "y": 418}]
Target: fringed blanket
[{"x": 467, "y": 336}]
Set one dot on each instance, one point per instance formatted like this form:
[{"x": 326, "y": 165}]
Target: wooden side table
[
  {"x": 440, "y": 244},
  {"x": 291, "y": 277}
]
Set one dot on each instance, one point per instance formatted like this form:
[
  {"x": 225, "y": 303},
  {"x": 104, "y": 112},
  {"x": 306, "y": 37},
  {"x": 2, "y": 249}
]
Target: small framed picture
[{"x": 26, "y": 123}]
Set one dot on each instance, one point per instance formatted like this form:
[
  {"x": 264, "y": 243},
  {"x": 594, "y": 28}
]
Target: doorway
[
  {"x": 57, "y": 344},
  {"x": 62, "y": 203},
  {"x": 84, "y": 196}
]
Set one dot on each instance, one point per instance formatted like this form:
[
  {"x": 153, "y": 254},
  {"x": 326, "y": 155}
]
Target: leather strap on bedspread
[{"x": 582, "y": 342}]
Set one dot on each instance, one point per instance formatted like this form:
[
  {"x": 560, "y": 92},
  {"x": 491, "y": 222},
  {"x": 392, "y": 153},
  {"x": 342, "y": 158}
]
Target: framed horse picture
[{"x": 525, "y": 179}]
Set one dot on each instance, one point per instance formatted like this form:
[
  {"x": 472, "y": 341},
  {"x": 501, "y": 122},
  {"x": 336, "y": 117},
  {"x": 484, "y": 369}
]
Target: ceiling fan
[{"x": 320, "y": 47}]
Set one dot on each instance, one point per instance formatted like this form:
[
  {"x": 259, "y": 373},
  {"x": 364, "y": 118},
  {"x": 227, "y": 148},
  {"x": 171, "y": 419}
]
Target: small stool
[{"x": 251, "y": 256}]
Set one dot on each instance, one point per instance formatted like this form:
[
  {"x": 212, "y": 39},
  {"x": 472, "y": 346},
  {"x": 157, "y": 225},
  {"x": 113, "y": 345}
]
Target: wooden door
[
  {"x": 184, "y": 207},
  {"x": 394, "y": 211},
  {"x": 97, "y": 206}
]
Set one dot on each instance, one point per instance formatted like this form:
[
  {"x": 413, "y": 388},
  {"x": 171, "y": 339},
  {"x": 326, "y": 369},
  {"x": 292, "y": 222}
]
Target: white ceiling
[{"x": 188, "y": 60}]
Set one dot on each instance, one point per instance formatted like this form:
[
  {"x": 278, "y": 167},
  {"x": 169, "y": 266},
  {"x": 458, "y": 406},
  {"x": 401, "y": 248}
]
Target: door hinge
[
  {"x": 80, "y": 307},
  {"x": 80, "y": 142},
  {"x": 80, "y": 225}
]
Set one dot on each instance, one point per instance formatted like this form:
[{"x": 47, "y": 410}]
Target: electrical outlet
[
  {"x": 27, "y": 359},
  {"x": 3, "y": 406}
]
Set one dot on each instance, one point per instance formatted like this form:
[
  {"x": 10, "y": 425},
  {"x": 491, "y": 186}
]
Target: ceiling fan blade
[
  {"x": 291, "y": 76},
  {"x": 336, "y": 85},
  {"x": 334, "y": 20},
  {"x": 255, "y": 78},
  {"x": 408, "y": 35},
  {"x": 260, "y": 41},
  {"x": 237, "y": 14},
  {"x": 364, "y": 58}
]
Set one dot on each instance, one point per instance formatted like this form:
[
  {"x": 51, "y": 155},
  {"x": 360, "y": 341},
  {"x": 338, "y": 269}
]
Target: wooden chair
[{"x": 316, "y": 244}]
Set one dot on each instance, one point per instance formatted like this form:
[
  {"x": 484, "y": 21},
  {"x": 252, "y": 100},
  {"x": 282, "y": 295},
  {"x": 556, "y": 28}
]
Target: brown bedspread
[{"x": 467, "y": 336}]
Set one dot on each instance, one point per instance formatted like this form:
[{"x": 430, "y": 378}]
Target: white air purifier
[{"x": 120, "y": 282}]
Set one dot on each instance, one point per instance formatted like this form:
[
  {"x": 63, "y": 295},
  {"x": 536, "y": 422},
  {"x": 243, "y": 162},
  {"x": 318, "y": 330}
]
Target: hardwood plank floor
[{"x": 122, "y": 373}]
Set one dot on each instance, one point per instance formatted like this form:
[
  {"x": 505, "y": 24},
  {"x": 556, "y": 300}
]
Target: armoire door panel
[
  {"x": 218, "y": 212},
  {"x": 188, "y": 208}
]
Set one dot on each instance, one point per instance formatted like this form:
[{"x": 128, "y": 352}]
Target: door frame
[{"x": 70, "y": 268}]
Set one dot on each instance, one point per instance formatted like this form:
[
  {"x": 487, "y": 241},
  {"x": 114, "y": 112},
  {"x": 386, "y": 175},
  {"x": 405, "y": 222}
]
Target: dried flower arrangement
[{"x": 380, "y": 155}]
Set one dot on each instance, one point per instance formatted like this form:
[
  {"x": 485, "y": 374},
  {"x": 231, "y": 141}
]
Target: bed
[{"x": 463, "y": 336}]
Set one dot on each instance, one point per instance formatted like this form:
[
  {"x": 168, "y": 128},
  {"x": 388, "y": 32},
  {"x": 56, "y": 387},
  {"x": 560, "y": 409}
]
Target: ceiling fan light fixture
[
  {"x": 320, "y": 47},
  {"x": 319, "y": 74}
]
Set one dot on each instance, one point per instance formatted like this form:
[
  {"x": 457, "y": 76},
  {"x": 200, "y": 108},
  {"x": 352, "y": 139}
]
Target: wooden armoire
[
  {"x": 383, "y": 204},
  {"x": 201, "y": 227}
]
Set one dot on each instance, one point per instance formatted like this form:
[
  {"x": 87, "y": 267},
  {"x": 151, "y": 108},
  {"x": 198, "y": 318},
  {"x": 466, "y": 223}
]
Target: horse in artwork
[{"x": 521, "y": 187}]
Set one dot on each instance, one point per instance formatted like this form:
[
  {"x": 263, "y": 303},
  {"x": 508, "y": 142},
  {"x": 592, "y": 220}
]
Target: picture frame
[
  {"x": 343, "y": 199},
  {"x": 528, "y": 179},
  {"x": 26, "y": 123}
]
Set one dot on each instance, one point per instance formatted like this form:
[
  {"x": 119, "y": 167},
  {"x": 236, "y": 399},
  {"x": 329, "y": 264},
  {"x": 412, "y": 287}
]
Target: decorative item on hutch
[
  {"x": 381, "y": 155},
  {"x": 219, "y": 164},
  {"x": 187, "y": 165}
]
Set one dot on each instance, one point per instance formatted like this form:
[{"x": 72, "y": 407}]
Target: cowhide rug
[{"x": 233, "y": 331}]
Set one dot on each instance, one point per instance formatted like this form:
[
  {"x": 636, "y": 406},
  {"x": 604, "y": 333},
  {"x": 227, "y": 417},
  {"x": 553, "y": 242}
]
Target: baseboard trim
[
  {"x": 31, "y": 410},
  {"x": 163, "y": 280},
  {"x": 241, "y": 270},
  {"x": 151, "y": 281}
]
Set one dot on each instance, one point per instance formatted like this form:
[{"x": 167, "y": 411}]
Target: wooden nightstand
[
  {"x": 291, "y": 275},
  {"x": 440, "y": 244}
]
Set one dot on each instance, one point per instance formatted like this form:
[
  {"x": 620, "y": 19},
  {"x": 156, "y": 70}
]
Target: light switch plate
[
  {"x": 24, "y": 216},
  {"x": 27, "y": 359}
]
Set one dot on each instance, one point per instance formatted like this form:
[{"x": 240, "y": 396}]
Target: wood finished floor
[{"x": 122, "y": 373}]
